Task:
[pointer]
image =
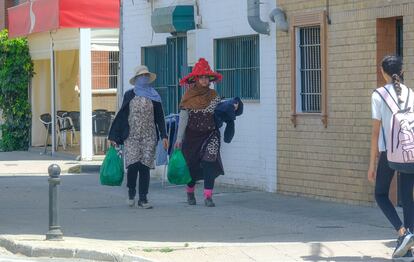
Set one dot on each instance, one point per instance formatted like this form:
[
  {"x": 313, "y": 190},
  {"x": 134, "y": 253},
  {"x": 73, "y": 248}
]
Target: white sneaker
[{"x": 131, "y": 202}]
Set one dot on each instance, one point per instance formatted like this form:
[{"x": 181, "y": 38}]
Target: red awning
[{"x": 45, "y": 15}]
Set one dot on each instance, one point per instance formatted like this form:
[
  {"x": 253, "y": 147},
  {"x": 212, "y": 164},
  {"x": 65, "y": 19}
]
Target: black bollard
[{"x": 55, "y": 232}]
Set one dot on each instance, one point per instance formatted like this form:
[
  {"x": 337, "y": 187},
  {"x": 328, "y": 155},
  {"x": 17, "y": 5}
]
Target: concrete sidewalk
[
  {"x": 245, "y": 226},
  {"x": 19, "y": 163}
]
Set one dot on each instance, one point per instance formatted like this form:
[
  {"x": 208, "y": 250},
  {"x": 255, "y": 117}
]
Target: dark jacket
[
  {"x": 120, "y": 127},
  {"x": 225, "y": 113}
]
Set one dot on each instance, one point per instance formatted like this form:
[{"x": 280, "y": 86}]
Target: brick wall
[
  {"x": 331, "y": 163},
  {"x": 100, "y": 69},
  {"x": 104, "y": 101}
]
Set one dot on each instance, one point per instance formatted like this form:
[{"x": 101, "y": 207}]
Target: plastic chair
[
  {"x": 112, "y": 114},
  {"x": 46, "y": 120},
  {"x": 65, "y": 125},
  {"x": 101, "y": 122},
  {"x": 75, "y": 116},
  {"x": 61, "y": 113}
]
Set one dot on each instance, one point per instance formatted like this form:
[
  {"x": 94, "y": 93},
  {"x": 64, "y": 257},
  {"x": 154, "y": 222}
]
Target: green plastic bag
[
  {"x": 178, "y": 172},
  {"x": 112, "y": 169}
]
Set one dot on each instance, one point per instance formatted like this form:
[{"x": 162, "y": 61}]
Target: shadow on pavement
[{"x": 320, "y": 253}]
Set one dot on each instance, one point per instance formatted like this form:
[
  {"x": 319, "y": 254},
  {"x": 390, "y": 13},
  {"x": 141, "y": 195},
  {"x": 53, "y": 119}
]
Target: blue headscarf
[{"x": 143, "y": 88}]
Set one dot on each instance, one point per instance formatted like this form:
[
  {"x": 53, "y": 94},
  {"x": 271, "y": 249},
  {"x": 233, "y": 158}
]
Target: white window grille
[{"x": 308, "y": 69}]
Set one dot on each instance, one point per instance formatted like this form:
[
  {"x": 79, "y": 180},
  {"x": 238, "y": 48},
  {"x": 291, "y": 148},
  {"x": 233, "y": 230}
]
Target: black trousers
[
  {"x": 144, "y": 180},
  {"x": 208, "y": 175},
  {"x": 382, "y": 189}
]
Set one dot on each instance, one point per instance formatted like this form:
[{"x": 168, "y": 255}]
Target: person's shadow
[{"x": 320, "y": 252}]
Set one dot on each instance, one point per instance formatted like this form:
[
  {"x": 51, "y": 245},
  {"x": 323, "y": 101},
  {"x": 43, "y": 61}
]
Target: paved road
[{"x": 242, "y": 217}]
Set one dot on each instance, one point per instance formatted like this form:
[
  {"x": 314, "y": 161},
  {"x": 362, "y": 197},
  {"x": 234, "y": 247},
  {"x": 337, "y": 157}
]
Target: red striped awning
[{"x": 44, "y": 15}]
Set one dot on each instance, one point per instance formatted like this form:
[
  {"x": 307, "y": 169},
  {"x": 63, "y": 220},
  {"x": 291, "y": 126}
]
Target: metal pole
[
  {"x": 120, "y": 88},
  {"x": 85, "y": 63},
  {"x": 53, "y": 95},
  {"x": 55, "y": 232}
]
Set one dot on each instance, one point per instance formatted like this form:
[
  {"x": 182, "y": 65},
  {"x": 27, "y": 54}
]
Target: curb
[
  {"x": 90, "y": 168},
  {"x": 83, "y": 168},
  {"x": 30, "y": 251}
]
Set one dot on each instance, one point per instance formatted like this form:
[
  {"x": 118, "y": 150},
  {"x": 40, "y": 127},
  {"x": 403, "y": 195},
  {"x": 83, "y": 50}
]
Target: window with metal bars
[
  {"x": 308, "y": 64},
  {"x": 155, "y": 58},
  {"x": 177, "y": 69},
  {"x": 237, "y": 59},
  {"x": 105, "y": 69},
  {"x": 169, "y": 62}
]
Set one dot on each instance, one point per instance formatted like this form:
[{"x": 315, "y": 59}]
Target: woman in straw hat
[
  {"x": 197, "y": 133},
  {"x": 138, "y": 125}
]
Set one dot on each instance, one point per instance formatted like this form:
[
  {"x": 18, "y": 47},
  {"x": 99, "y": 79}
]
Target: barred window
[
  {"x": 308, "y": 73},
  {"x": 237, "y": 59},
  {"x": 105, "y": 69},
  {"x": 309, "y": 66},
  {"x": 169, "y": 62},
  {"x": 155, "y": 58}
]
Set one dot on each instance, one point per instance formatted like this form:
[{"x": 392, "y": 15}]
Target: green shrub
[{"x": 16, "y": 71}]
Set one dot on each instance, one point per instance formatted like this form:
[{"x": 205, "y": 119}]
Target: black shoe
[
  {"x": 144, "y": 204},
  {"x": 404, "y": 244},
  {"x": 209, "y": 202},
  {"x": 191, "y": 199}
]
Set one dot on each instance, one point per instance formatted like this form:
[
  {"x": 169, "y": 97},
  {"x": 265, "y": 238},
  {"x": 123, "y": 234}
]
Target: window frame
[{"x": 308, "y": 20}]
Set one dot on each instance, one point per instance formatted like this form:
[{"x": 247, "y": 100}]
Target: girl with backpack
[{"x": 387, "y": 102}]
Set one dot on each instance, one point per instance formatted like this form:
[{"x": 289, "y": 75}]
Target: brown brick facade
[
  {"x": 100, "y": 69},
  {"x": 331, "y": 163},
  {"x": 104, "y": 101},
  {"x": 104, "y": 69}
]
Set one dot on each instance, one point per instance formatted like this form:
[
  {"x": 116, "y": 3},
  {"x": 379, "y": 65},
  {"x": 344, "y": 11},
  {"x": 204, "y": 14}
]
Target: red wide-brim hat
[{"x": 201, "y": 68}]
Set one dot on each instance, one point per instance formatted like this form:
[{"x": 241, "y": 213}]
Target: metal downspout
[{"x": 253, "y": 16}]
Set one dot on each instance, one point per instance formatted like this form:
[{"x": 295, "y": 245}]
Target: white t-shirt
[{"x": 380, "y": 111}]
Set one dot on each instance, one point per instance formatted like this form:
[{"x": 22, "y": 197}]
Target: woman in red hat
[{"x": 197, "y": 133}]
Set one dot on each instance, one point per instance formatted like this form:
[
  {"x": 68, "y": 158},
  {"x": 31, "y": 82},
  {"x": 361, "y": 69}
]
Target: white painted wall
[{"x": 250, "y": 160}]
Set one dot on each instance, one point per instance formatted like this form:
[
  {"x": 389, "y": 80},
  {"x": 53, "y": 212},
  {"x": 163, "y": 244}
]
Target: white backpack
[{"x": 400, "y": 141}]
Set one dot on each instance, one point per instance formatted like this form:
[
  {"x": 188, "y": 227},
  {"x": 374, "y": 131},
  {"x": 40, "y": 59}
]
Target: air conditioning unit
[{"x": 173, "y": 19}]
